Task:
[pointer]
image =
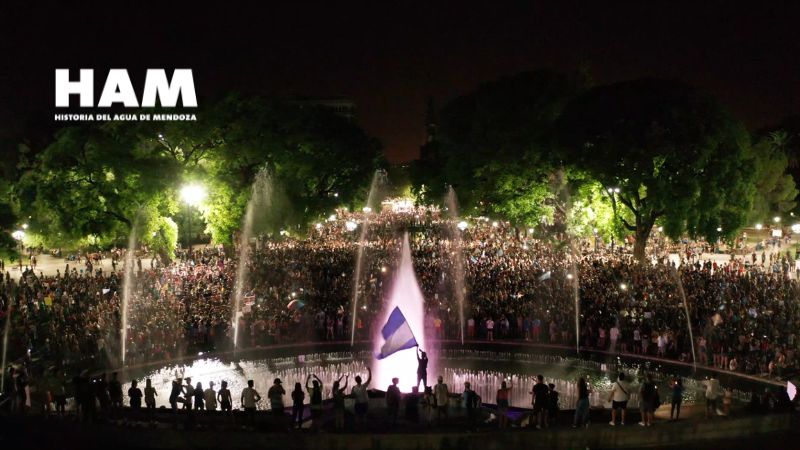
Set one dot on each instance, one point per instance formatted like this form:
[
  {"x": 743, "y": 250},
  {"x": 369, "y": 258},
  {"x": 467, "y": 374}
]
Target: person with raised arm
[
  {"x": 361, "y": 396},
  {"x": 315, "y": 396},
  {"x": 422, "y": 367}
]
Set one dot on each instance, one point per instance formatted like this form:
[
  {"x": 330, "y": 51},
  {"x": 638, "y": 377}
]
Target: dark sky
[{"x": 389, "y": 57}]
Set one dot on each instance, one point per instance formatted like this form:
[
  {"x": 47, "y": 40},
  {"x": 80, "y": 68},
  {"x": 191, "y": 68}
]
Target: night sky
[{"x": 390, "y": 58}]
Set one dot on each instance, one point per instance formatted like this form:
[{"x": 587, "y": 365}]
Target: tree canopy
[{"x": 664, "y": 152}]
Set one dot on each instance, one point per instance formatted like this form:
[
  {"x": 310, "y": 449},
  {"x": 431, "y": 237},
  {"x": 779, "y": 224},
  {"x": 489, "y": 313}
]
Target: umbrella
[
  {"x": 295, "y": 304},
  {"x": 791, "y": 389}
]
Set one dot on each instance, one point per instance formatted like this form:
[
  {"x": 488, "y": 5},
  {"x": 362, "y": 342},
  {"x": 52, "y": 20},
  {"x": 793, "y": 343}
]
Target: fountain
[
  {"x": 260, "y": 199},
  {"x": 5, "y": 345},
  {"x": 127, "y": 285},
  {"x": 686, "y": 312},
  {"x": 405, "y": 294},
  {"x": 456, "y": 253},
  {"x": 378, "y": 181}
]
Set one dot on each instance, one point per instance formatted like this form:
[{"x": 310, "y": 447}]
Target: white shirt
[
  {"x": 614, "y": 333},
  {"x": 490, "y": 324},
  {"x": 619, "y": 391},
  {"x": 712, "y": 388},
  {"x": 249, "y": 397}
]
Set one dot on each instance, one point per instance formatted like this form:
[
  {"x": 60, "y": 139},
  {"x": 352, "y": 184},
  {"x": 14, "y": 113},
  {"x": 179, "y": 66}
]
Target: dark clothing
[
  {"x": 136, "y": 397},
  {"x": 540, "y": 391}
]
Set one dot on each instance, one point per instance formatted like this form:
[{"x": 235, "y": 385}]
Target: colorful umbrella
[{"x": 295, "y": 304}]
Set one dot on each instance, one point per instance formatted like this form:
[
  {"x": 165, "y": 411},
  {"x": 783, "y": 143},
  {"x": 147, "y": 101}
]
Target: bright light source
[
  {"x": 284, "y": 232},
  {"x": 719, "y": 229},
  {"x": 350, "y": 225},
  {"x": 776, "y": 219},
  {"x": 318, "y": 226},
  {"x": 332, "y": 218},
  {"x": 594, "y": 230},
  {"x": 530, "y": 230},
  {"x": 462, "y": 225},
  {"x": 569, "y": 276},
  {"x": 383, "y": 269},
  {"x": 366, "y": 209},
  {"x": 335, "y": 194},
  {"x": 495, "y": 224},
  {"x": 660, "y": 229},
  {"x": 759, "y": 226},
  {"x": 18, "y": 235},
  {"x": 796, "y": 228},
  {"x": 24, "y": 226},
  {"x": 524, "y": 246},
  {"x": 616, "y": 190},
  {"x": 193, "y": 194},
  {"x": 623, "y": 286}
]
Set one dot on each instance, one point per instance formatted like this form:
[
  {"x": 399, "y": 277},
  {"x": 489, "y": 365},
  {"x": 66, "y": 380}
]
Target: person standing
[
  {"x": 649, "y": 396},
  {"x": 582, "y": 406},
  {"x": 199, "y": 397},
  {"x": 175, "y": 393},
  {"x": 210, "y": 397},
  {"x": 539, "y": 402},
  {"x": 298, "y": 398},
  {"x": 441, "y": 397},
  {"x": 503, "y": 395},
  {"x": 489, "y": 329},
  {"x": 135, "y": 395},
  {"x": 677, "y": 399},
  {"x": 619, "y": 399},
  {"x": 115, "y": 391},
  {"x": 315, "y": 396},
  {"x": 552, "y": 405},
  {"x": 472, "y": 401},
  {"x": 393, "y": 401},
  {"x": 250, "y": 397},
  {"x": 338, "y": 394},
  {"x": 422, "y": 368},
  {"x": 361, "y": 396},
  {"x": 712, "y": 394},
  {"x": 275, "y": 395},
  {"x": 224, "y": 398},
  {"x": 150, "y": 395}
]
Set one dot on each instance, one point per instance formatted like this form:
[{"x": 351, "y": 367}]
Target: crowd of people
[{"x": 743, "y": 313}]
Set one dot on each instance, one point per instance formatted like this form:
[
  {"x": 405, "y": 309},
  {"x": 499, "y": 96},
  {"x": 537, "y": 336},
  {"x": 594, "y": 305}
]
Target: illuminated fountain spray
[
  {"x": 405, "y": 294},
  {"x": 379, "y": 181},
  {"x": 456, "y": 255},
  {"x": 127, "y": 285},
  {"x": 686, "y": 312},
  {"x": 260, "y": 200}
]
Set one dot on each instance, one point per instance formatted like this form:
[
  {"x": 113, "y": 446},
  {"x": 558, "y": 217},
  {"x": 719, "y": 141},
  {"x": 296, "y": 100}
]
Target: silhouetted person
[{"x": 422, "y": 368}]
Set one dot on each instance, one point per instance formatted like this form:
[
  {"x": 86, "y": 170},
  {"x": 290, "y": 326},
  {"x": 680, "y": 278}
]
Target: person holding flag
[{"x": 422, "y": 368}]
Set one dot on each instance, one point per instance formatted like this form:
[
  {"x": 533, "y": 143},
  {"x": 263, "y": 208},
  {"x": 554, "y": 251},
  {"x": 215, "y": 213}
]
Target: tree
[
  {"x": 775, "y": 188},
  {"x": 663, "y": 151},
  {"x": 317, "y": 160},
  {"x": 492, "y": 146}
]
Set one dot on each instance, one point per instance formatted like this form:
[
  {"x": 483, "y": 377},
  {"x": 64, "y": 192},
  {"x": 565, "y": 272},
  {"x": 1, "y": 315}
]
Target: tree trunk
[{"x": 642, "y": 235}]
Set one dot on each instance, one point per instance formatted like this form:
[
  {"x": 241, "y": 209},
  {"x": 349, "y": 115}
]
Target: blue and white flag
[{"x": 397, "y": 334}]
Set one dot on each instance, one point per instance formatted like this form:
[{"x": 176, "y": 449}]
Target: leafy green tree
[
  {"x": 775, "y": 188},
  {"x": 664, "y": 152},
  {"x": 493, "y": 146}
]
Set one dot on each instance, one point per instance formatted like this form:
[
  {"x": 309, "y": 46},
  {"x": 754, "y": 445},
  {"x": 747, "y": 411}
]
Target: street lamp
[
  {"x": 776, "y": 219},
  {"x": 192, "y": 195},
  {"x": 759, "y": 226}
]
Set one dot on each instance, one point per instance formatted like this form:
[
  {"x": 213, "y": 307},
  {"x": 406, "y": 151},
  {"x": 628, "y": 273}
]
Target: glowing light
[
  {"x": 366, "y": 209},
  {"x": 18, "y": 235},
  {"x": 719, "y": 229},
  {"x": 332, "y": 218},
  {"x": 776, "y": 219},
  {"x": 350, "y": 225},
  {"x": 335, "y": 194},
  {"x": 24, "y": 226},
  {"x": 495, "y": 224},
  {"x": 193, "y": 194},
  {"x": 405, "y": 294},
  {"x": 318, "y": 226},
  {"x": 759, "y": 226},
  {"x": 383, "y": 269},
  {"x": 623, "y": 286},
  {"x": 569, "y": 276},
  {"x": 616, "y": 190},
  {"x": 796, "y": 228},
  {"x": 594, "y": 230},
  {"x": 530, "y": 230},
  {"x": 660, "y": 229},
  {"x": 462, "y": 225}
]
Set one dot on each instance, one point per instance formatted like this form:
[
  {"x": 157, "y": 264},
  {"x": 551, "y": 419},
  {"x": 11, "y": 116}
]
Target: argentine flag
[{"x": 397, "y": 334}]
